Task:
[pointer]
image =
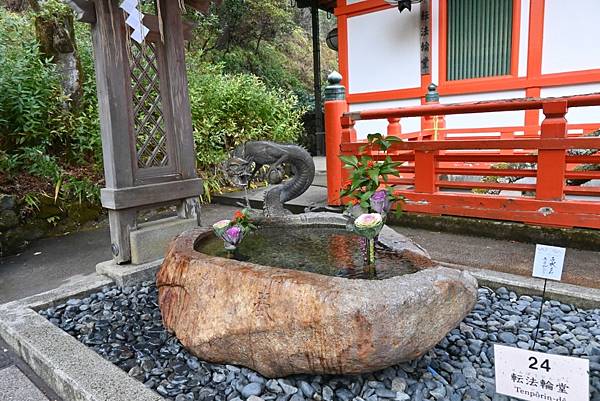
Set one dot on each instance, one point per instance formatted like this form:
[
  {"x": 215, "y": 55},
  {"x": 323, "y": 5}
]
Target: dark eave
[{"x": 325, "y": 5}]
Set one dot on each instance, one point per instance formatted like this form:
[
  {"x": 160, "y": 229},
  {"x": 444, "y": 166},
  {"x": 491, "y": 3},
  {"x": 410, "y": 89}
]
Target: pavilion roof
[
  {"x": 84, "y": 9},
  {"x": 325, "y": 5}
]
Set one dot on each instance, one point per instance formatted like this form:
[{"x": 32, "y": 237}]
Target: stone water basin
[{"x": 318, "y": 312}]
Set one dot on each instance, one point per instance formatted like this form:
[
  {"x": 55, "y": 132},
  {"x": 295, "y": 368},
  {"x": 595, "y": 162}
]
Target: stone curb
[
  {"x": 582, "y": 297},
  {"x": 80, "y": 288},
  {"x": 74, "y": 371}
]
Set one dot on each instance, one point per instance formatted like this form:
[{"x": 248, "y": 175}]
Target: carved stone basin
[{"x": 281, "y": 321}]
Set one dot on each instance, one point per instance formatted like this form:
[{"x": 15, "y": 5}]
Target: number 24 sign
[{"x": 531, "y": 375}]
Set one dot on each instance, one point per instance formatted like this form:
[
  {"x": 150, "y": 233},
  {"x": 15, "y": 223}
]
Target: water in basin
[{"x": 323, "y": 250}]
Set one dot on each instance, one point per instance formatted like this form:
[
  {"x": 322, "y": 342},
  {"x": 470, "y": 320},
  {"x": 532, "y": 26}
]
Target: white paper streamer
[{"x": 134, "y": 20}]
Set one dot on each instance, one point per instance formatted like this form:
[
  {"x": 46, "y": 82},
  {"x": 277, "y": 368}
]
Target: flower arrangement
[
  {"x": 233, "y": 231},
  {"x": 369, "y": 196}
]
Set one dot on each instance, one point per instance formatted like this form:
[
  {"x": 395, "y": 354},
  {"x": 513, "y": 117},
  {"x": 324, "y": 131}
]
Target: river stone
[{"x": 281, "y": 321}]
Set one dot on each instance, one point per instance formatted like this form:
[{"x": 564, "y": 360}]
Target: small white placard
[
  {"x": 530, "y": 375},
  {"x": 548, "y": 262}
]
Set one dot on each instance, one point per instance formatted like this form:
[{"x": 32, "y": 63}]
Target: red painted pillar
[
  {"x": 552, "y": 163},
  {"x": 426, "y": 161},
  {"x": 433, "y": 126},
  {"x": 335, "y": 107}
]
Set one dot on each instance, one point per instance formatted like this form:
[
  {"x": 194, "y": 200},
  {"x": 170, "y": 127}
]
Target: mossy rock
[
  {"x": 7, "y": 202},
  {"x": 34, "y": 229},
  {"x": 48, "y": 209},
  {"x": 83, "y": 212},
  {"x": 12, "y": 241},
  {"x": 8, "y": 219}
]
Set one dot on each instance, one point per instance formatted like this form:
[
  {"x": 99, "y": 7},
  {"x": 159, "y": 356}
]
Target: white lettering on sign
[
  {"x": 530, "y": 375},
  {"x": 548, "y": 262}
]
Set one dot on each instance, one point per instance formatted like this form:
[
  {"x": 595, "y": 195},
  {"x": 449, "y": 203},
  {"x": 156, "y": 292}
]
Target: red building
[{"x": 474, "y": 51}]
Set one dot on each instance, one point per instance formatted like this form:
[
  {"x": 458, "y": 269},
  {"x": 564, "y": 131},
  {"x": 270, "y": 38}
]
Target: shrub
[
  {"x": 29, "y": 86},
  {"x": 229, "y": 109},
  {"x": 39, "y": 134}
]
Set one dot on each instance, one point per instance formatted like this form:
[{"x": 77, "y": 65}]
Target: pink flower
[
  {"x": 233, "y": 235},
  {"x": 379, "y": 202}
]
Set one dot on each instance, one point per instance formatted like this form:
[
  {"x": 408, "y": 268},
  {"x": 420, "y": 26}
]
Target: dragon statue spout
[{"x": 247, "y": 159}]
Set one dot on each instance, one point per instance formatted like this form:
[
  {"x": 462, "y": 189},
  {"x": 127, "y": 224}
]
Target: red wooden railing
[{"x": 431, "y": 159}]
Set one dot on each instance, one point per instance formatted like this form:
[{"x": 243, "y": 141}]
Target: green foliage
[
  {"x": 249, "y": 65},
  {"x": 267, "y": 38},
  {"x": 29, "y": 86},
  {"x": 229, "y": 109},
  {"x": 368, "y": 176}
]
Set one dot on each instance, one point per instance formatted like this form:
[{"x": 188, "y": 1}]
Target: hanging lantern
[
  {"x": 403, "y": 4},
  {"x": 332, "y": 39}
]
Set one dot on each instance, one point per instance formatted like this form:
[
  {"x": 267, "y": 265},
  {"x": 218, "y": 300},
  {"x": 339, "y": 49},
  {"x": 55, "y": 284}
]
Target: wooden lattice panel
[{"x": 149, "y": 123}]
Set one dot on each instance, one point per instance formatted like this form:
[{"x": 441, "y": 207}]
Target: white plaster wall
[
  {"x": 363, "y": 128},
  {"x": 435, "y": 41},
  {"x": 383, "y": 51},
  {"x": 570, "y": 36},
  {"x": 499, "y": 119},
  {"x": 576, "y": 115},
  {"x": 524, "y": 37}
]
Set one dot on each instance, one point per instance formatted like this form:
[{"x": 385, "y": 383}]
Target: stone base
[
  {"x": 126, "y": 275},
  {"x": 150, "y": 241}
]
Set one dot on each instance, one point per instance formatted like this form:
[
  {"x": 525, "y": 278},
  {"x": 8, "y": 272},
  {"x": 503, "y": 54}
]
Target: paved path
[
  {"x": 581, "y": 267},
  {"x": 49, "y": 263}
]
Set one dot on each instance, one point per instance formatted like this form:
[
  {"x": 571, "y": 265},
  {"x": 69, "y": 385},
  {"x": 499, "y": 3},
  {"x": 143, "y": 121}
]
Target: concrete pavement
[
  {"x": 51, "y": 262},
  {"x": 581, "y": 267}
]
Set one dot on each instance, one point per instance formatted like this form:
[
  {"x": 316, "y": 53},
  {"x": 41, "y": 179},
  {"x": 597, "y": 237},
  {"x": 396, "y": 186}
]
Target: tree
[{"x": 55, "y": 32}]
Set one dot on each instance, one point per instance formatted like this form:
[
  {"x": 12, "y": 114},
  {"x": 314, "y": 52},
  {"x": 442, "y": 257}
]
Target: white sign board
[
  {"x": 548, "y": 262},
  {"x": 530, "y": 375}
]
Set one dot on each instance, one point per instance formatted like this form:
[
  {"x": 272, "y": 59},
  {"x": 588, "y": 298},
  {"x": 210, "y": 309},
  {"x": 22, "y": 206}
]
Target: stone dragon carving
[{"x": 247, "y": 159}]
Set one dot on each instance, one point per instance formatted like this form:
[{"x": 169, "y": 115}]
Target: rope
[{"x": 160, "y": 22}]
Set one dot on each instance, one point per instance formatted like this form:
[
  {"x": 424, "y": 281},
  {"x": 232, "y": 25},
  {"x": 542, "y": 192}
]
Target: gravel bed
[{"x": 124, "y": 326}]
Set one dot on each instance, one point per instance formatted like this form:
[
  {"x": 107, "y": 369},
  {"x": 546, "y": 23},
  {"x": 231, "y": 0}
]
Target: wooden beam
[
  {"x": 526, "y": 210},
  {"x": 84, "y": 10},
  {"x": 143, "y": 195},
  {"x": 151, "y": 22}
]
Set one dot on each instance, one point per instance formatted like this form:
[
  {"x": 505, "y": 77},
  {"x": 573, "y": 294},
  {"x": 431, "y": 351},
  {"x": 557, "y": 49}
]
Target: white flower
[
  {"x": 221, "y": 224},
  {"x": 368, "y": 220}
]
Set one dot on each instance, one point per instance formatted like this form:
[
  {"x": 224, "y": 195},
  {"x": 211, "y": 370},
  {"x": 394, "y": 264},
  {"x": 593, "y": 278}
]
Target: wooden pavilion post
[
  {"x": 116, "y": 119},
  {"x": 146, "y": 127}
]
